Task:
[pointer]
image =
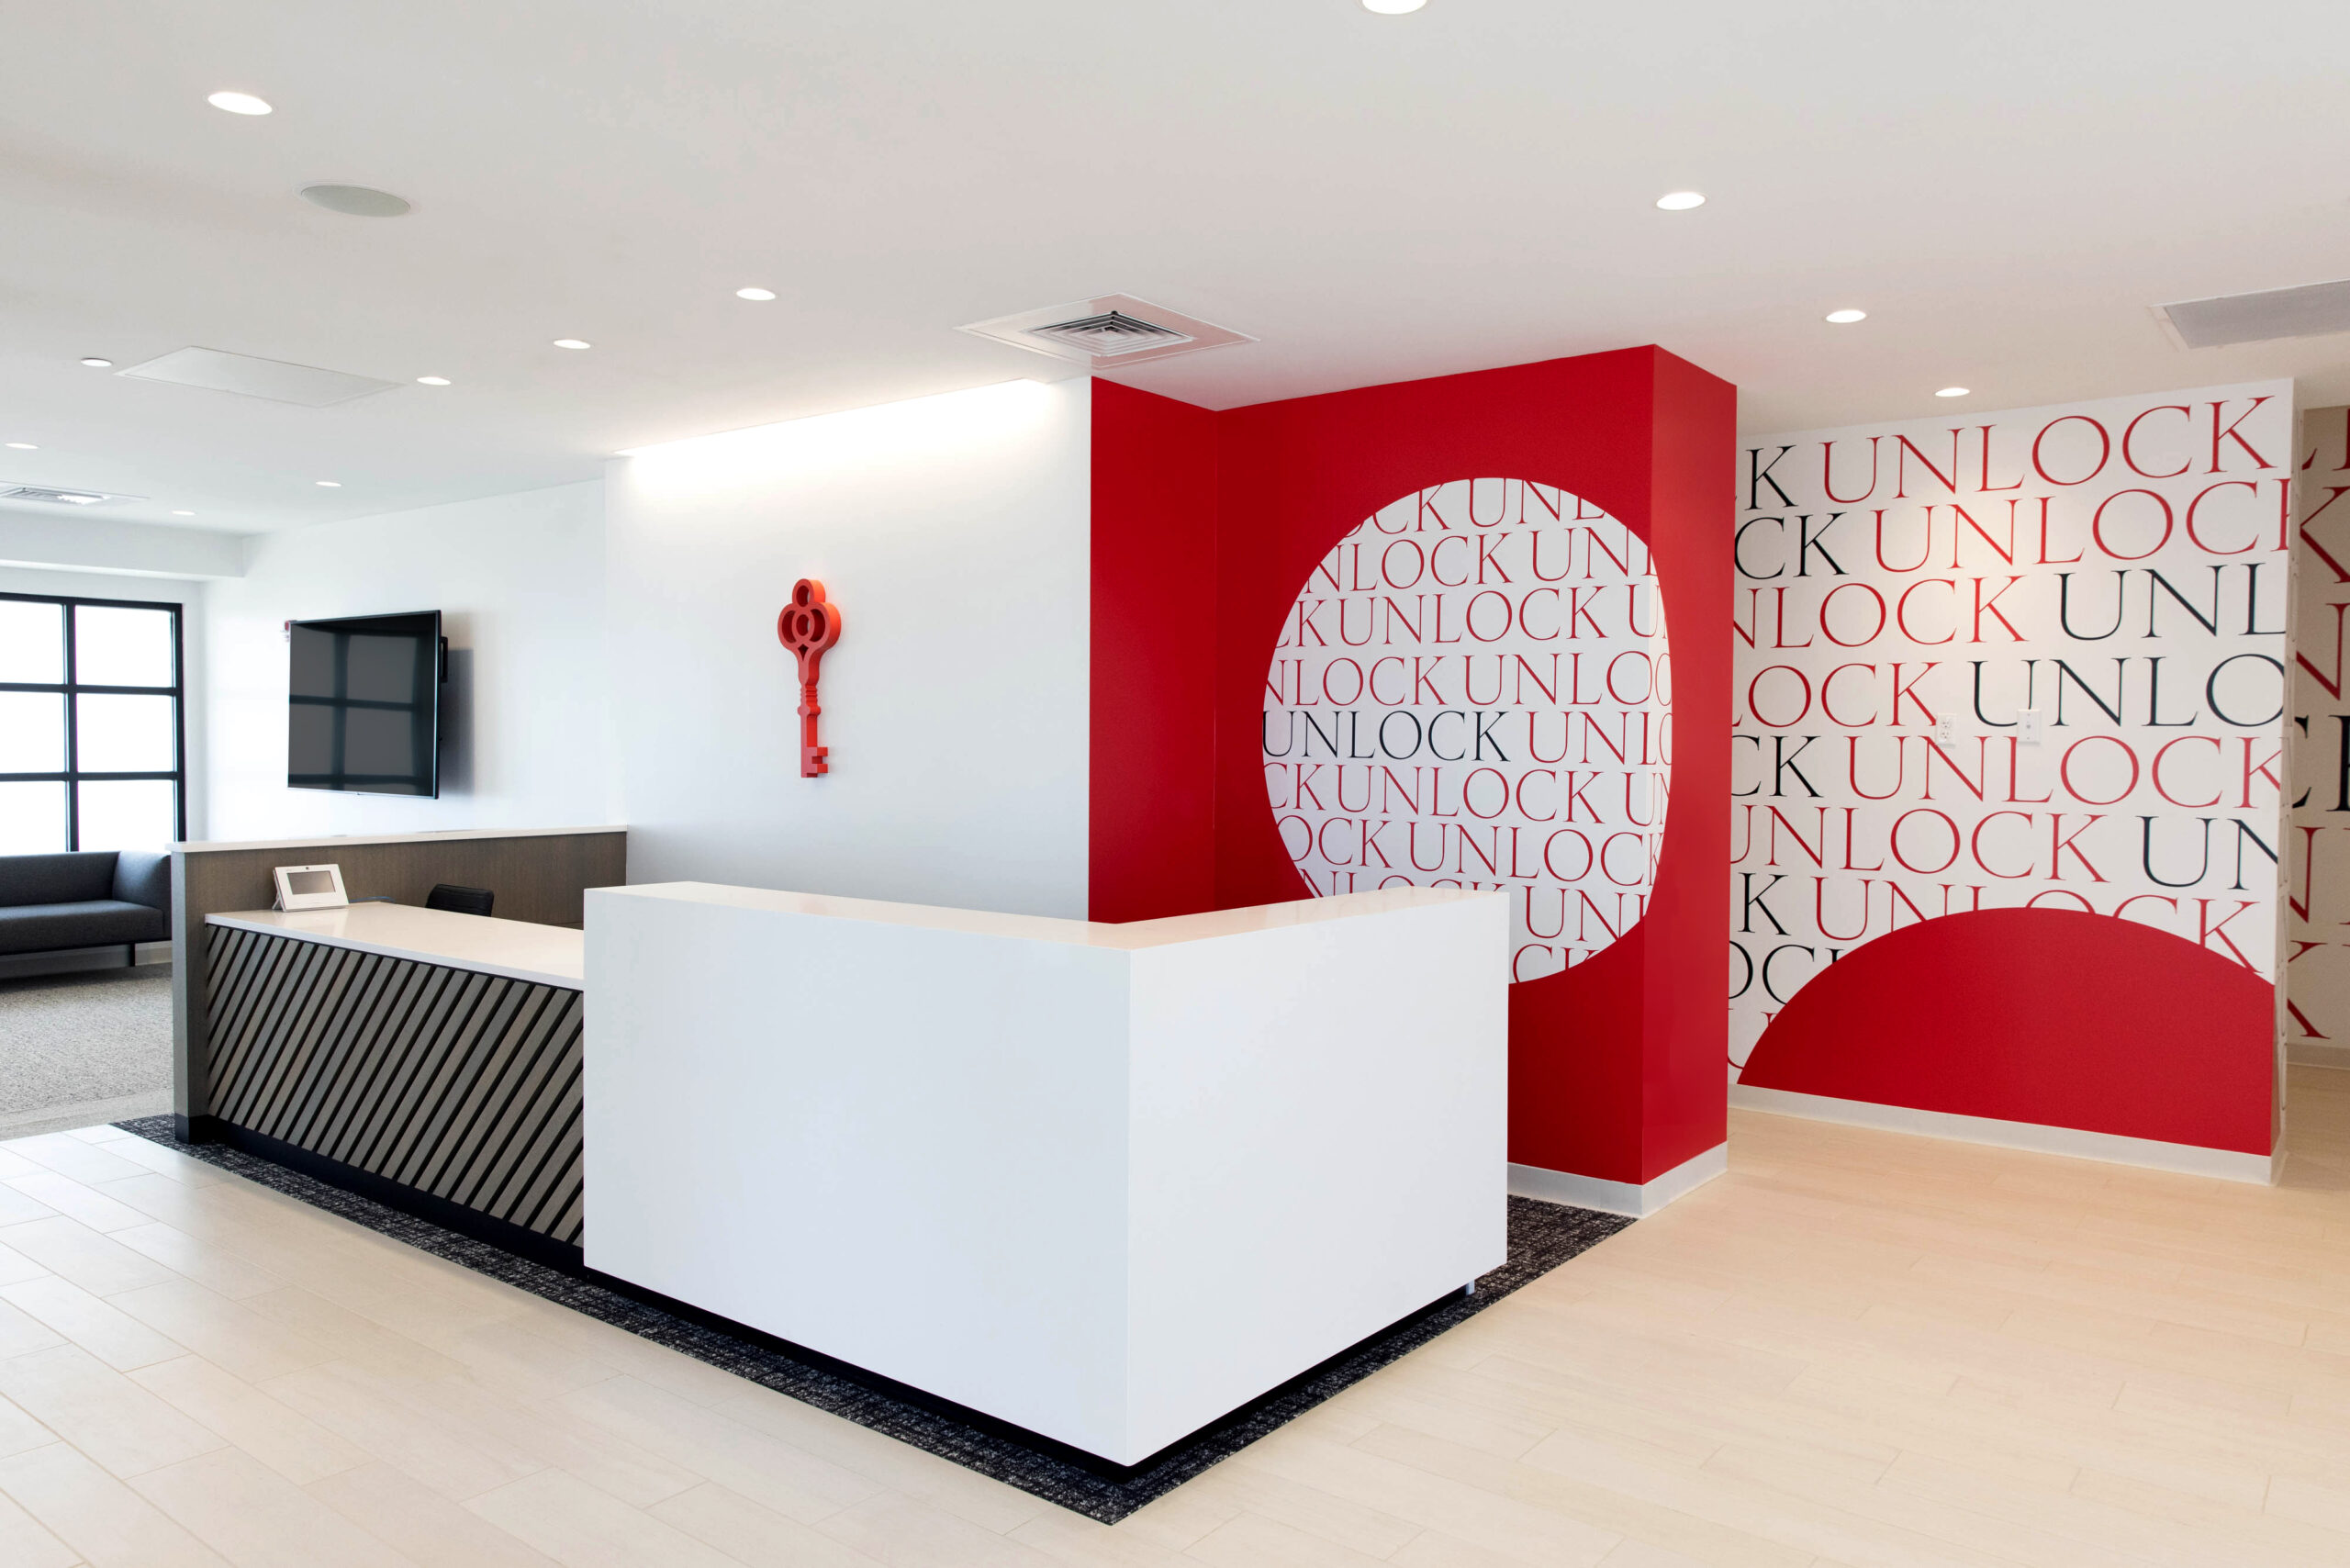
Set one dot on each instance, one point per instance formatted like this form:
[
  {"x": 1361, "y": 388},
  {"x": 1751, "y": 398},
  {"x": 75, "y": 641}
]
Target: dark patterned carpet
[{"x": 1541, "y": 1236}]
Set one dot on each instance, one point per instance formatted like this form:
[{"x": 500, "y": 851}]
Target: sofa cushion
[
  {"x": 141, "y": 875},
  {"x": 56, "y": 879},
  {"x": 94, "y": 923}
]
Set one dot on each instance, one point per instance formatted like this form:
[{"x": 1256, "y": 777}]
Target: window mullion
[
  {"x": 179, "y": 729},
  {"x": 72, "y": 740}
]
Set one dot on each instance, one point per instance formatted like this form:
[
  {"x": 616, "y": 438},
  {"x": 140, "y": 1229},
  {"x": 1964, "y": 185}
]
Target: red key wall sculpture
[{"x": 807, "y": 626}]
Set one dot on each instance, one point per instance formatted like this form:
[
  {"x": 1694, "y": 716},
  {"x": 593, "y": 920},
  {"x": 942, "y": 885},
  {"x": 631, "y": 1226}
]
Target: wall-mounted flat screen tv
[{"x": 364, "y": 709}]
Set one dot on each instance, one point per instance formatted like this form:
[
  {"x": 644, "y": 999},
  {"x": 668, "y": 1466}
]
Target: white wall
[
  {"x": 189, "y": 596},
  {"x": 519, "y": 582},
  {"x": 113, "y": 545},
  {"x": 954, "y": 532}
]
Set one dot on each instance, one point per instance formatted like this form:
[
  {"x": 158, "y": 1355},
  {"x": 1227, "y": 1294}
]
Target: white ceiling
[{"x": 2004, "y": 185}]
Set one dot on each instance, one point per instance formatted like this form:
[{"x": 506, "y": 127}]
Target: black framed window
[{"x": 92, "y": 742}]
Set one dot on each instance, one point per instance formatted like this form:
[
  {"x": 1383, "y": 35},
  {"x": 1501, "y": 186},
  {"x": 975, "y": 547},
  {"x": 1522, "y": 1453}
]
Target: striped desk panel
[{"x": 453, "y": 1083}]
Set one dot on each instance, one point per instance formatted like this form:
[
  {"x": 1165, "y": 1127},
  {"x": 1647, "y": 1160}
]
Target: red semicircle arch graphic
[{"x": 2096, "y": 1023}]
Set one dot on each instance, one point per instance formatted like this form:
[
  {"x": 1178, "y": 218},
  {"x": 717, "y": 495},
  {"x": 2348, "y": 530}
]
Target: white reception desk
[{"x": 1105, "y": 1182}]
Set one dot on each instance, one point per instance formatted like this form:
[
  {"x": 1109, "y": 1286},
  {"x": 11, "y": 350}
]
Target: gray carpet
[{"x": 78, "y": 1049}]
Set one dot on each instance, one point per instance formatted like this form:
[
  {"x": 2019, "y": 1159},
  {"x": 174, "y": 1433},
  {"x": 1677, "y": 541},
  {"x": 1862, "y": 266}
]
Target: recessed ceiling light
[
  {"x": 1393, "y": 7},
  {"x": 356, "y": 201},
  {"x": 1846, "y": 318},
  {"x": 432, "y": 381},
  {"x": 572, "y": 343},
  {"x": 23, "y": 447},
  {"x": 1681, "y": 201},
  {"x": 1954, "y": 391},
  {"x": 96, "y": 363},
  {"x": 332, "y": 483},
  {"x": 239, "y": 103},
  {"x": 183, "y": 514},
  {"x": 754, "y": 294}
]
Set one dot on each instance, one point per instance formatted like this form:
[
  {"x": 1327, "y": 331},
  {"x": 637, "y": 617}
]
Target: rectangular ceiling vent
[
  {"x": 2312, "y": 310},
  {"x": 79, "y": 501},
  {"x": 1108, "y": 329},
  {"x": 214, "y": 370}
]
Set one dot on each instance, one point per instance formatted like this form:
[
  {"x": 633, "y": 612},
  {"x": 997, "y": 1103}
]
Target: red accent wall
[
  {"x": 1617, "y": 1064},
  {"x": 1151, "y": 823},
  {"x": 2046, "y": 1015}
]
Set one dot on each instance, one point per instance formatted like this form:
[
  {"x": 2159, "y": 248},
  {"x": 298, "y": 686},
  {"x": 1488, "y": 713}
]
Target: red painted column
[
  {"x": 1151, "y": 838},
  {"x": 1618, "y": 1064}
]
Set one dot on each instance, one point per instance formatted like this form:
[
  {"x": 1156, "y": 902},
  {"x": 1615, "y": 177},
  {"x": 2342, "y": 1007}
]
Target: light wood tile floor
[{"x": 1857, "y": 1348}]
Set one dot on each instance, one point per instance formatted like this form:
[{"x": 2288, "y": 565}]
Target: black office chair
[{"x": 459, "y": 901}]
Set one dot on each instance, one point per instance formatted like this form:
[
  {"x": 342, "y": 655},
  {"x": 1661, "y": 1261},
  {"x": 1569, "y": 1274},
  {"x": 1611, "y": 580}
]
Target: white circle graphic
[{"x": 1473, "y": 690}]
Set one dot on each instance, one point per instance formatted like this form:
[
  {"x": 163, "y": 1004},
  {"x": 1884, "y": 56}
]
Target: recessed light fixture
[
  {"x": 1393, "y": 7},
  {"x": 239, "y": 103},
  {"x": 1846, "y": 318},
  {"x": 572, "y": 343},
  {"x": 183, "y": 514},
  {"x": 1681, "y": 201},
  {"x": 1954, "y": 391},
  {"x": 96, "y": 363},
  {"x": 432, "y": 381},
  {"x": 330, "y": 484},
  {"x": 356, "y": 201},
  {"x": 754, "y": 294},
  {"x": 22, "y": 446}
]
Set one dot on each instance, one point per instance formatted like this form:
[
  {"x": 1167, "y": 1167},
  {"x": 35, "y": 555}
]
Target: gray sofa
[{"x": 99, "y": 897}]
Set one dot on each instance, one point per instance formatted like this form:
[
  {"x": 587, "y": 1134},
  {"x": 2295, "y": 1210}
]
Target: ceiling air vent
[
  {"x": 78, "y": 500},
  {"x": 2312, "y": 310},
  {"x": 217, "y": 371},
  {"x": 1110, "y": 334},
  {"x": 1106, "y": 331}
]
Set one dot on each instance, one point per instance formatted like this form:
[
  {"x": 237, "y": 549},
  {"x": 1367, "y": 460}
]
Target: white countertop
[
  {"x": 1131, "y": 936},
  {"x": 547, "y": 955},
  {"x": 329, "y": 841}
]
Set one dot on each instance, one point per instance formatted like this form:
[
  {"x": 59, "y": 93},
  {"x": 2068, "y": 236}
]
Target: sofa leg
[{"x": 130, "y": 955}]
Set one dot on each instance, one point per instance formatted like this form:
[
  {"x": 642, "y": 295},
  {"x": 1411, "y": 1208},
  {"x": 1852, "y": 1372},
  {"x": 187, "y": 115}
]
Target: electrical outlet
[
  {"x": 2028, "y": 723},
  {"x": 1943, "y": 731}
]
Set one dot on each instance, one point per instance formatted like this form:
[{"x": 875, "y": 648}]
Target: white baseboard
[
  {"x": 1619, "y": 1197},
  {"x": 2317, "y": 1053},
  {"x": 2227, "y": 1164}
]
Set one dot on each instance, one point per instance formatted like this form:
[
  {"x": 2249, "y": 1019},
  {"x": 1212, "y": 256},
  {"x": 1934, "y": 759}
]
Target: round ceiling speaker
[{"x": 356, "y": 201}]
